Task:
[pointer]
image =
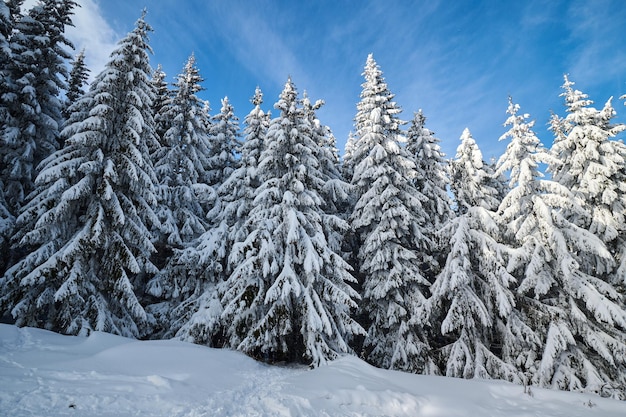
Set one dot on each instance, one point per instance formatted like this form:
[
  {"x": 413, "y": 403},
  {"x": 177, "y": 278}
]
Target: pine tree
[
  {"x": 79, "y": 74},
  {"x": 86, "y": 227},
  {"x": 593, "y": 167},
  {"x": 182, "y": 166},
  {"x": 432, "y": 178},
  {"x": 389, "y": 223},
  {"x": 208, "y": 258},
  {"x": 289, "y": 298},
  {"x": 38, "y": 72},
  {"x": 577, "y": 337},
  {"x": 162, "y": 99},
  {"x": 471, "y": 184},
  {"x": 471, "y": 298},
  {"x": 347, "y": 168},
  {"x": 224, "y": 144},
  {"x": 335, "y": 192}
]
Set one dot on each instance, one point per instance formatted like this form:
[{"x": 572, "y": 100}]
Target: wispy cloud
[
  {"x": 439, "y": 73},
  {"x": 258, "y": 46},
  {"x": 92, "y": 33},
  {"x": 592, "y": 25},
  {"x": 456, "y": 60}
]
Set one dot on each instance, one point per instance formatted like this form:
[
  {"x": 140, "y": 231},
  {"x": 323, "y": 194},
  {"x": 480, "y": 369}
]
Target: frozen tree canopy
[
  {"x": 288, "y": 298},
  {"x": 129, "y": 206},
  {"x": 472, "y": 301},
  {"x": 87, "y": 223},
  {"x": 183, "y": 193},
  {"x": 591, "y": 163},
  {"x": 389, "y": 222},
  {"x": 576, "y": 318}
]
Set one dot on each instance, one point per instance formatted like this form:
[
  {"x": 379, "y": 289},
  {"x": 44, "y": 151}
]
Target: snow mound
[{"x": 47, "y": 374}]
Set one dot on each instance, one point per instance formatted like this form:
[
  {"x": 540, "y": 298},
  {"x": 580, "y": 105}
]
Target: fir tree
[
  {"x": 86, "y": 227},
  {"x": 577, "y": 337},
  {"x": 375, "y": 110},
  {"x": 593, "y": 167},
  {"x": 79, "y": 74},
  {"x": 431, "y": 180},
  {"x": 162, "y": 99},
  {"x": 471, "y": 298},
  {"x": 289, "y": 298},
  {"x": 7, "y": 222},
  {"x": 497, "y": 182},
  {"x": 208, "y": 259},
  {"x": 38, "y": 72},
  {"x": 182, "y": 162},
  {"x": 350, "y": 245},
  {"x": 6, "y": 85},
  {"x": 335, "y": 192},
  {"x": 388, "y": 220},
  {"x": 347, "y": 168},
  {"x": 222, "y": 163},
  {"x": 181, "y": 166},
  {"x": 240, "y": 187},
  {"x": 224, "y": 144},
  {"x": 323, "y": 137},
  {"x": 431, "y": 166},
  {"x": 471, "y": 184}
]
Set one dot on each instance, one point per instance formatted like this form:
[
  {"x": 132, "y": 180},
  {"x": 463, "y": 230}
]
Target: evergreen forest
[{"x": 127, "y": 206}]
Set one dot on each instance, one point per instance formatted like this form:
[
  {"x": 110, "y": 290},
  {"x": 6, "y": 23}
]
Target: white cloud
[
  {"x": 594, "y": 27},
  {"x": 258, "y": 46},
  {"x": 92, "y": 32}
]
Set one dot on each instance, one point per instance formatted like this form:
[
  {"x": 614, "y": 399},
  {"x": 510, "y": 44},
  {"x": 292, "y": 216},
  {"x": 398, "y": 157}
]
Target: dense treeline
[{"x": 128, "y": 208}]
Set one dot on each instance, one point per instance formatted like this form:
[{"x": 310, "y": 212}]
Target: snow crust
[{"x": 47, "y": 374}]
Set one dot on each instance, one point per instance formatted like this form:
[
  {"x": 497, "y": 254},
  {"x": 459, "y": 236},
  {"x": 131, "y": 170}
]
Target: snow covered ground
[{"x": 46, "y": 374}]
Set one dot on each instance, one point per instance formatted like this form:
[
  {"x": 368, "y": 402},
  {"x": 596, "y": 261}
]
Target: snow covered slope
[{"x": 46, "y": 374}]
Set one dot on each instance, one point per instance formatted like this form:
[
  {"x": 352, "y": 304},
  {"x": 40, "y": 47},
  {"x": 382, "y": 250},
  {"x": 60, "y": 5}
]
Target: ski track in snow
[{"x": 48, "y": 375}]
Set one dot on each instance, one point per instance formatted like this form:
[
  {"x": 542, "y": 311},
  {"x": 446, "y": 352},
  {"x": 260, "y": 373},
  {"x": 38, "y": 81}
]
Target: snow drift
[{"x": 47, "y": 374}]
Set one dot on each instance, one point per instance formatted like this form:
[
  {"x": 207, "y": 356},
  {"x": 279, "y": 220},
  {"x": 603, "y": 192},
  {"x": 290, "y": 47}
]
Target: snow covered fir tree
[
  {"x": 181, "y": 166},
  {"x": 32, "y": 107},
  {"x": 576, "y": 320},
  {"x": 472, "y": 299},
  {"x": 389, "y": 221},
  {"x": 32, "y": 71},
  {"x": 85, "y": 227},
  {"x": 288, "y": 297},
  {"x": 208, "y": 258},
  {"x": 128, "y": 206},
  {"x": 593, "y": 165}
]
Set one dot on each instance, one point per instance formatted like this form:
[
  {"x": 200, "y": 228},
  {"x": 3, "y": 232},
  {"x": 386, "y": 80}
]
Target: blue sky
[{"x": 457, "y": 60}]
